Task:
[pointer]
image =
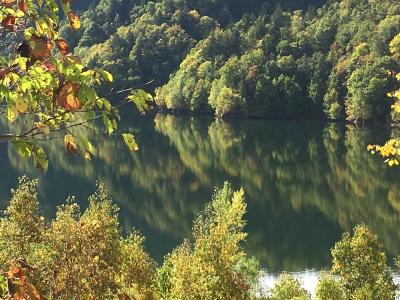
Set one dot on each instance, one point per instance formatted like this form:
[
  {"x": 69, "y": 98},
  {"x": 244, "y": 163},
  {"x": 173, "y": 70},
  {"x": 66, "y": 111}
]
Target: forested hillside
[{"x": 253, "y": 58}]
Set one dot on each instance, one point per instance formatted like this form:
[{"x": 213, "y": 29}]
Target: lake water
[{"x": 306, "y": 182}]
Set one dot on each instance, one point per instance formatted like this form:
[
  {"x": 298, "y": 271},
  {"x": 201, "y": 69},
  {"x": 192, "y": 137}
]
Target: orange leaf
[
  {"x": 67, "y": 98},
  {"x": 62, "y": 45},
  {"x": 9, "y": 22},
  {"x": 7, "y": 3},
  {"x": 23, "y": 6},
  {"x": 40, "y": 48},
  {"x": 70, "y": 144},
  {"x": 16, "y": 273}
]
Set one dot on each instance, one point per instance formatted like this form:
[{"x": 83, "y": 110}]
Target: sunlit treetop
[{"x": 44, "y": 90}]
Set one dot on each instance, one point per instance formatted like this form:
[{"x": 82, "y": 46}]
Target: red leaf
[
  {"x": 40, "y": 48},
  {"x": 9, "y": 22},
  {"x": 23, "y": 6},
  {"x": 62, "y": 45}
]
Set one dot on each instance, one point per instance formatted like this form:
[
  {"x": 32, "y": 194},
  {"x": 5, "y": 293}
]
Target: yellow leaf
[
  {"x": 43, "y": 128},
  {"x": 21, "y": 105},
  {"x": 74, "y": 21},
  {"x": 130, "y": 142},
  {"x": 69, "y": 143}
]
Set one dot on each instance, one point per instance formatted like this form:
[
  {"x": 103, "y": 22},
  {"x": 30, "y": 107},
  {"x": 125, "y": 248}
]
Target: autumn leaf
[
  {"x": 22, "y": 6},
  {"x": 89, "y": 150},
  {"x": 62, "y": 45},
  {"x": 67, "y": 98},
  {"x": 21, "y": 105},
  {"x": 70, "y": 144},
  {"x": 39, "y": 48},
  {"x": 45, "y": 129},
  {"x": 74, "y": 21},
  {"x": 7, "y": 3},
  {"x": 9, "y": 22},
  {"x": 130, "y": 142}
]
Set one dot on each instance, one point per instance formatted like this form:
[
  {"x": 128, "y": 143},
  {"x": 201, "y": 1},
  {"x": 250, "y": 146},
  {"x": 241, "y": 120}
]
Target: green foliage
[
  {"x": 329, "y": 288},
  {"x": 83, "y": 255},
  {"x": 258, "y": 59},
  {"x": 288, "y": 288},
  {"x": 367, "y": 85},
  {"x": 214, "y": 266},
  {"x": 294, "y": 55},
  {"x": 228, "y": 58},
  {"x": 43, "y": 91},
  {"x": 77, "y": 256},
  {"x": 21, "y": 225},
  {"x": 360, "y": 263},
  {"x": 390, "y": 150}
]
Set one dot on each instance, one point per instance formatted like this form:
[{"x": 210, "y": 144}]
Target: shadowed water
[{"x": 305, "y": 183}]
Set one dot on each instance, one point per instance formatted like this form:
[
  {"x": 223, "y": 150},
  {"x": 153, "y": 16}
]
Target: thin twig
[{"x": 135, "y": 87}]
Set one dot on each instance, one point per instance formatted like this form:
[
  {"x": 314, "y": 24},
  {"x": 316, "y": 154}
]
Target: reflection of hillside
[
  {"x": 149, "y": 186},
  {"x": 304, "y": 183}
]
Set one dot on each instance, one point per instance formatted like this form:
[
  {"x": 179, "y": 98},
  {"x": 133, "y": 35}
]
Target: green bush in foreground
[
  {"x": 361, "y": 264},
  {"x": 329, "y": 288},
  {"x": 214, "y": 266},
  {"x": 84, "y": 256},
  {"x": 288, "y": 288},
  {"x": 77, "y": 256}
]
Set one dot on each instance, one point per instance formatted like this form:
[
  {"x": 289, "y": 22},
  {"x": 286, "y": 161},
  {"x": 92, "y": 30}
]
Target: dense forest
[
  {"x": 259, "y": 58},
  {"x": 305, "y": 182}
]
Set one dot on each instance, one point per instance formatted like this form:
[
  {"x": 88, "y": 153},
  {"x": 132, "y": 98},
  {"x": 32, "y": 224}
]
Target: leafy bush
[
  {"x": 214, "y": 265},
  {"x": 360, "y": 262},
  {"x": 288, "y": 288},
  {"x": 329, "y": 288},
  {"x": 77, "y": 256}
]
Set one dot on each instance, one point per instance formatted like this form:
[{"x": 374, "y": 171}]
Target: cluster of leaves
[
  {"x": 357, "y": 255},
  {"x": 44, "y": 92},
  {"x": 287, "y": 287},
  {"x": 15, "y": 283}
]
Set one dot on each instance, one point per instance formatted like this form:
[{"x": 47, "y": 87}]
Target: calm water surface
[{"x": 305, "y": 183}]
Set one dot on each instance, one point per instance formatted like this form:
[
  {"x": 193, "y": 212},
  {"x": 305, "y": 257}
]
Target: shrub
[
  {"x": 329, "y": 288},
  {"x": 361, "y": 264},
  {"x": 77, "y": 256},
  {"x": 214, "y": 265},
  {"x": 288, "y": 288}
]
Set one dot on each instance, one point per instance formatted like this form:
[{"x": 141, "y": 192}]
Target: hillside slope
[{"x": 265, "y": 58}]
